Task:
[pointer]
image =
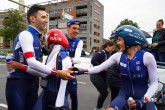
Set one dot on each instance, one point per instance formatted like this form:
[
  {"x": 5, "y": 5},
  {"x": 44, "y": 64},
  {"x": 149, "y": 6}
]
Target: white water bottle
[
  {"x": 130, "y": 100},
  {"x": 9, "y": 58}
]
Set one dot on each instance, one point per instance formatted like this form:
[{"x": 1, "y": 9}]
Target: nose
[{"x": 46, "y": 20}]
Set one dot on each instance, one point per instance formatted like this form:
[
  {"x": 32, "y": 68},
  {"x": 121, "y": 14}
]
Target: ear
[{"x": 32, "y": 19}]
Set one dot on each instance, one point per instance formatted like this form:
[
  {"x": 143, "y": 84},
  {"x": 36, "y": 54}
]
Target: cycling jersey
[
  {"x": 136, "y": 74},
  {"x": 74, "y": 50},
  {"x": 24, "y": 86}
]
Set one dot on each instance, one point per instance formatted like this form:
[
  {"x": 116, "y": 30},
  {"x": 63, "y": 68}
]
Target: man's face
[
  {"x": 73, "y": 30},
  {"x": 40, "y": 20}
]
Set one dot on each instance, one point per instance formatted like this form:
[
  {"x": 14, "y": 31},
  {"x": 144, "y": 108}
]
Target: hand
[
  {"x": 154, "y": 44},
  {"x": 65, "y": 74},
  {"x": 79, "y": 71},
  {"x": 138, "y": 104},
  {"x": 109, "y": 108},
  {"x": 14, "y": 65}
]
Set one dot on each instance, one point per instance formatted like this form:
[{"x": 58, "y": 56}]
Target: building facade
[{"x": 89, "y": 12}]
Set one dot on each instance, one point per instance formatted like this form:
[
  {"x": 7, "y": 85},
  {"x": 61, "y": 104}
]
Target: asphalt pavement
[{"x": 87, "y": 94}]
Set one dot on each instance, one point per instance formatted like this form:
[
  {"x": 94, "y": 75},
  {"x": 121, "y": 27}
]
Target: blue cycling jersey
[
  {"x": 134, "y": 74},
  {"x": 19, "y": 56},
  {"x": 72, "y": 46}
]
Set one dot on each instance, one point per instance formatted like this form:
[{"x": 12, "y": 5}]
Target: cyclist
[
  {"x": 74, "y": 50},
  {"x": 27, "y": 51},
  {"x": 137, "y": 68}
]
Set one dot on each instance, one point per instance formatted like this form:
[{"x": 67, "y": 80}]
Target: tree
[
  {"x": 127, "y": 22},
  {"x": 124, "y": 22},
  {"x": 13, "y": 24}
]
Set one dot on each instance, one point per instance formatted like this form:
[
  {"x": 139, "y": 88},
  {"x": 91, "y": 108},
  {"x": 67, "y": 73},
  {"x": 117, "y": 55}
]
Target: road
[{"x": 87, "y": 94}]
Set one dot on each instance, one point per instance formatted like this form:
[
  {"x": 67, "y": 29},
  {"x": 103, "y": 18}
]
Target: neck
[
  {"x": 34, "y": 28},
  {"x": 132, "y": 51},
  {"x": 69, "y": 36}
]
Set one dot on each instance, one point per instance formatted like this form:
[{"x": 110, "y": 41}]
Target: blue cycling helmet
[{"x": 132, "y": 35}]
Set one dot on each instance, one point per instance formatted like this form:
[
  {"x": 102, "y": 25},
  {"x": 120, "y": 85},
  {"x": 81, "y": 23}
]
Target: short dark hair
[
  {"x": 33, "y": 10},
  {"x": 108, "y": 43}
]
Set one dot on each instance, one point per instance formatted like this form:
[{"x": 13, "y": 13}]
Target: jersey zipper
[{"x": 130, "y": 78}]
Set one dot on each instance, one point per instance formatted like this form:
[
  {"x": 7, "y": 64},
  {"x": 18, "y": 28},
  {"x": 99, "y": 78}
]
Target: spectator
[
  {"x": 99, "y": 80},
  {"x": 113, "y": 78},
  {"x": 158, "y": 42}
]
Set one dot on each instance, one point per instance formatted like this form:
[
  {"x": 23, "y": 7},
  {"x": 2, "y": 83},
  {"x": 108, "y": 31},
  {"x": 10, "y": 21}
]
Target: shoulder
[
  {"x": 148, "y": 58},
  {"x": 163, "y": 30},
  {"x": 148, "y": 55},
  {"x": 98, "y": 52},
  {"x": 63, "y": 54},
  {"x": 24, "y": 35},
  {"x": 116, "y": 57},
  {"x": 77, "y": 39}
]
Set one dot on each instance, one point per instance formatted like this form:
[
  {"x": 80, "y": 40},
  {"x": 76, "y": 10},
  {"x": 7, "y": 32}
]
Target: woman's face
[
  {"x": 110, "y": 49},
  {"x": 159, "y": 25},
  {"x": 121, "y": 43}
]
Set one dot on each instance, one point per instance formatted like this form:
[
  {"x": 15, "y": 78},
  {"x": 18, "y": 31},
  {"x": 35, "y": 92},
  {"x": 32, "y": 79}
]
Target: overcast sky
[{"x": 144, "y": 12}]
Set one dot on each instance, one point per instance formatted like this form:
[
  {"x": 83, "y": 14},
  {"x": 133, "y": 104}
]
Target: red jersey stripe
[{"x": 28, "y": 55}]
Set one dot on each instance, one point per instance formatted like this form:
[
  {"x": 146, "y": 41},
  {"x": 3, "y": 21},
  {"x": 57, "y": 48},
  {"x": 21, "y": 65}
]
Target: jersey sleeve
[
  {"x": 66, "y": 63},
  {"x": 36, "y": 73},
  {"x": 26, "y": 42},
  {"x": 152, "y": 72},
  {"x": 78, "y": 51},
  {"x": 114, "y": 59}
]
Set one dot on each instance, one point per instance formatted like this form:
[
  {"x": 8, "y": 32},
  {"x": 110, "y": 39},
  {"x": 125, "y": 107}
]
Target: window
[
  {"x": 96, "y": 34},
  {"x": 96, "y": 26}
]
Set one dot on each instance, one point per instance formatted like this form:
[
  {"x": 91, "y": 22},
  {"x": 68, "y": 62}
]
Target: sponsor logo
[
  {"x": 138, "y": 63},
  {"x": 127, "y": 30},
  {"x": 122, "y": 64}
]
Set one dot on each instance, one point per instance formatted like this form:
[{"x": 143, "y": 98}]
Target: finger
[
  {"x": 71, "y": 68},
  {"x": 71, "y": 77},
  {"x": 73, "y": 72},
  {"x": 133, "y": 105}
]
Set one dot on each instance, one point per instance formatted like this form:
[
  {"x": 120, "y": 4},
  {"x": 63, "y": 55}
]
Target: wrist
[
  {"x": 54, "y": 72},
  {"x": 145, "y": 99},
  {"x": 23, "y": 67},
  {"x": 85, "y": 71}
]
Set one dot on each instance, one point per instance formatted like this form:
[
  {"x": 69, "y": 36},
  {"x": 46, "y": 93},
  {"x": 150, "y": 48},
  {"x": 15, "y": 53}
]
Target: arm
[
  {"x": 96, "y": 58},
  {"x": 152, "y": 72},
  {"x": 162, "y": 41},
  {"x": 114, "y": 59},
  {"x": 18, "y": 65},
  {"x": 26, "y": 42},
  {"x": 78, "y": 51}
]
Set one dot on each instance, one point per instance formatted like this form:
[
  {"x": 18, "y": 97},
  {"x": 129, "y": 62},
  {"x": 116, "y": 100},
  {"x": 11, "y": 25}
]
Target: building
[{"x": 89, "y": 12}]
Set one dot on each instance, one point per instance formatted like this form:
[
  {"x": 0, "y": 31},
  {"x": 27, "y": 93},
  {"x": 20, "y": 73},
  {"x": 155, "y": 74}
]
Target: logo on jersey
[
  {"x": 123, "y": 65},
  {"x": 138, "y": 63},
  {"x": 138, "y": 68},
  {"x": 138, "y": 76}
]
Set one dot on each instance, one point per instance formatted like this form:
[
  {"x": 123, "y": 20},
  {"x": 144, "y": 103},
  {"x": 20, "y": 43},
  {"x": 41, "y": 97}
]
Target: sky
[{"x": 144, "y": 12}]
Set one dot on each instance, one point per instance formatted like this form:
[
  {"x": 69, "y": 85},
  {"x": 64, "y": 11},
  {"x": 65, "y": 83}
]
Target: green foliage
[
  {"x": 12, "y": 25},
  {"x": 125, "y": 22}
]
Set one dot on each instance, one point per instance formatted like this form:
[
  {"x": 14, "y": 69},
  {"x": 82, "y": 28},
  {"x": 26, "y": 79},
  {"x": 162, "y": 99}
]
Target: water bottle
[
  {"x": 9, "y": 58},
  {"x": 130, "y": 100}
]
